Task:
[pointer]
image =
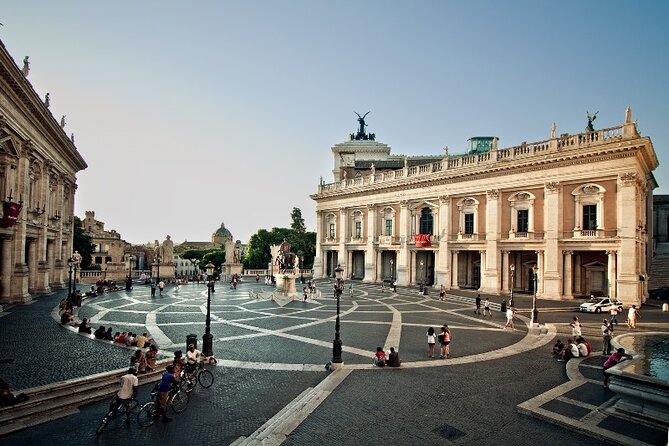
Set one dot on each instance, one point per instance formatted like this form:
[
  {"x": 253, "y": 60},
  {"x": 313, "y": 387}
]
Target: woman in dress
[
  {"x": 575, "y": 328},
  {"x": 632, "y": 316}
]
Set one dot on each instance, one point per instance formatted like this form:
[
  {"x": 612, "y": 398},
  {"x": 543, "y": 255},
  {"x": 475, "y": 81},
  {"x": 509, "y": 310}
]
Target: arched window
[
  {"x": 588, "y": 209},
  {"x": 331, "y": 230},
  {"x": 426, "y": 221},
  {"x": 468, "y": 209},
  {"x": 522, "y": 214},
  {"x": 357, "y": 225},
  {"x": 388, "y": 217}
]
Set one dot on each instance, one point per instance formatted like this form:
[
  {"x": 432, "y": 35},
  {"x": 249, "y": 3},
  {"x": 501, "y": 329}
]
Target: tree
[
  {"x": 258, "y": 253},
  {"x": 298, "y": 222},
  {"x": 82, "y": 242}
]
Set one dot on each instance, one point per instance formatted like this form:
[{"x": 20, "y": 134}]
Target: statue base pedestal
[
  {"x": 285, "y": 283},
  {"x": 229, "y": 269}
]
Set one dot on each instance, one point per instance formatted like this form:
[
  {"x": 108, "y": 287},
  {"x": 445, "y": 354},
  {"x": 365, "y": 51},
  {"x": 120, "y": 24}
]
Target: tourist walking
[
  {"x": 442, "y": 292},
  {"x": 448, "y": 338},
  {"x": 161, "y": 287},
  {"x": 478, "y": 304},
  {"x": 431, "y": 340},
  {"x": 614, "y": 315},
  {"x": 606, "y": 337},
  {"x": 632, "y": 316},
  {"x": 575, "y": 328},
  {"x": 486, "y": 307},
  {"x": 509, "y": 317}
]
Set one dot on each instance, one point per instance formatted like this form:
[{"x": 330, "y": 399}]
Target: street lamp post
[
  {"x": 336, "y": 344},
  {"x": 535, "y": 311},
  {"x": 392, "y": 272},
  {"x": 422, "y": 284},
  {"x": 70, "y": 291},
  {"x": 128, "y": 282},
  {"x": 208, "y": 339},
  {"x": 513, "y": 270},
  {"x": 158, "y": 268}
]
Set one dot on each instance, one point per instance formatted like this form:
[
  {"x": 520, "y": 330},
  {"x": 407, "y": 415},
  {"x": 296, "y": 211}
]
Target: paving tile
[
  {"x": 566, "y": 409},
  {"x": 634, "y": 430}
]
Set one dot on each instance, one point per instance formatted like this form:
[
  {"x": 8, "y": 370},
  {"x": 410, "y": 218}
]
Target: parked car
[{"x": 599, "y": 304}]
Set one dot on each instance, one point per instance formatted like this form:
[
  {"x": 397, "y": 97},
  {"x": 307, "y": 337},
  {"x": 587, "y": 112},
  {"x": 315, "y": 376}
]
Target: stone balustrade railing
[{"x": 520, "y": 152}]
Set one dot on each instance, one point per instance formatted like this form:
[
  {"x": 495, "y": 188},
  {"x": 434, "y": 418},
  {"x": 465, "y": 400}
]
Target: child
[
  {"x": 431, "y": 340},
  {"x": 380, "y": 357}
]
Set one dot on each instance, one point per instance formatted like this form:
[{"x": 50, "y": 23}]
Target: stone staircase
[
  {"x": 58, "y": 400},
  {"x": 659, "y": 272}
]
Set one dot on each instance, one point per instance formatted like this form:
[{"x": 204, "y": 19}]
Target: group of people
[
  {"x": 578, "y": 347},
  {"x": 486, "y": 306},
  {"x": 444, "y": 338},
  {"x": 392, "y": 360},
  {"x": 144, "y": 362}
]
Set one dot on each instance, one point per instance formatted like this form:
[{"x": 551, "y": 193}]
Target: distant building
[
  {"x": 38, "y": 167},
  {"x": 109, "y": 248},
  {"x": 218, "y": 240},
  {"x": 570, "y": 215}
]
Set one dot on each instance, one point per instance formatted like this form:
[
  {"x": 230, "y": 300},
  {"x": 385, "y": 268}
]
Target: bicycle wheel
[
  {"x": 103, "y": 423},
  {"x": 179, "y": 401},
  {"x": 120, "y": 407},
  {"x": 205, "y": 378},
  {"x": 148, "y": 414}
]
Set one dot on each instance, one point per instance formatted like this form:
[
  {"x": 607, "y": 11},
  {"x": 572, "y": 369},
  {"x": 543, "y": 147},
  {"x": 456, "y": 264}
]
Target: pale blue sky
[{"x": 193, "y": 113}]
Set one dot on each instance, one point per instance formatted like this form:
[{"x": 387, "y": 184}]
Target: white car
[{"x": 599, "y": 304}]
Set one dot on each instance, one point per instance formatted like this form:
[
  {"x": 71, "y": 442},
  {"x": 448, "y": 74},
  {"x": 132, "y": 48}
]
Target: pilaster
[
  {"x": 443, "y": 267},
  {"x": 490, "y": 258},
  {"x": 405, "y": 231},
  {"x": 370, "y": 258},
  {"x": 551, "y": 285}
]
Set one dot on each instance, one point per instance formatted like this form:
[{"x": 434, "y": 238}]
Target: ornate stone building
[
  {"x": 574, "y": 208},
  {"x": 109, "y": 249},
  {"x": 38, "y": 167}
]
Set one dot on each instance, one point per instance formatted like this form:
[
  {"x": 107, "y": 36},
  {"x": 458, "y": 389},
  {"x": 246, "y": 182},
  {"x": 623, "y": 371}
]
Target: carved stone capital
[
  {"x": 568, "y": 253},
  {"x": 371, "y": 207},
  {"x": 611, "y": 252},
  {"x": 493, "y": 194},
  {"x": 628, "y": 178},
  {"x": 552, "y": 186}
]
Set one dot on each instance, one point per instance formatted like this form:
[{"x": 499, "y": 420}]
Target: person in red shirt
[
  {"x": 615, "y": 358},
  {"x": 380, "y": 357}
]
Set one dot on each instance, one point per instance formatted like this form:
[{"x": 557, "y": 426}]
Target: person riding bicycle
[
  {"x": 168, "y": 380},
  {"x": 193, "y": 358},
  {"x": 128, "y": 390}
]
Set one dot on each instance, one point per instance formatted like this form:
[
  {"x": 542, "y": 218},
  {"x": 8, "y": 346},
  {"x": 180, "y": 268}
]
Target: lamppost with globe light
[
  {"x": 336, "y": 344},
  {"x": 208, "y": 338},
  {"x": 128, "y": 282},
  {"x": 535, "y": 310},
  {"x": 422, "y": 284},
  {"x": 70, "y": 291},
  {"x": 513, "y": 270}
]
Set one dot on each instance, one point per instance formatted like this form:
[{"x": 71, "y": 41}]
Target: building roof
[{"x": 397, "y": 163}]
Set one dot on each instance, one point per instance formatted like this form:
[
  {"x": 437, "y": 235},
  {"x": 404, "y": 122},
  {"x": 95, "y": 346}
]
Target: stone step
[{"x": 46, "y": 404}]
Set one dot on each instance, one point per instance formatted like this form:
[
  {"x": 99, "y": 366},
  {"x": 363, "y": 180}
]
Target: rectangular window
[
  {"x": 108, "y": 259},
  {"x": 590, "y": 217},
  {"x": 522, "y": 222},
  {"x": 389, "y": 227},
  {"x": 469, "y": 223},
  {"x": 98, "y": 260},
  {"x": 358, "y": 229},
  {"x": 332, "y": 230}
]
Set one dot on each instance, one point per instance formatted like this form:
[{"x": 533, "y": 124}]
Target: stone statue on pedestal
[
  {"x": 591, "y": 119},
  {"x": 26, "y": 66},
  {"x": 168, "y": 250}
]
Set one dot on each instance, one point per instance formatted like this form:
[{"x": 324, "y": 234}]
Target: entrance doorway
[
  {"x": 358, "y": 266},
  {"x": 424, "y": 268},
  {"x": 331, "y": 263}
]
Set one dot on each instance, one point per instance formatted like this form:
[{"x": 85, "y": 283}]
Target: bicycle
[
  {"x": 177, "y": 400},
  {"x": 198, "y": 375},
  {"x": 116, "y": 407}
]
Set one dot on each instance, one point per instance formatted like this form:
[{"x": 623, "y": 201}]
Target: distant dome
[{"x": 221, "y": 235}]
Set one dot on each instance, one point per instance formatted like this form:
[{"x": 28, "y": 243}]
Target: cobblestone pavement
[{"x": 270, "y": 350}]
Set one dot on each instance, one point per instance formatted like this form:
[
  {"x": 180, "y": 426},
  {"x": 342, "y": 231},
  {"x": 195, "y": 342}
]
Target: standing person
[
  {"x": 632, "y": 316},
  {"x": 161, "y": 286},
  {"x": 128, "y": 390},
  {"x": 575, "y": 328},
  {"x": 615, "y": 358},
  {"x": 350, "y": 289},
  {"x": 431, "y": 340},
  {"x": 614, "y": 315},
  {"x": 486, "y": 307},
  {"x": 304, "y": 292},
  {"x": 442, "y": 346},
  {"x": 168, "y": 379},
  {"x": 509, "y": 317},
  {"x": 442, "y": 292},
  {"x": 153, "y": 289},
  {"x": 448, "y": 338},
  {"x": 394, "y": 286},
  {"x": 478, "y": 304},
  {"x": 606, "y": 337}
]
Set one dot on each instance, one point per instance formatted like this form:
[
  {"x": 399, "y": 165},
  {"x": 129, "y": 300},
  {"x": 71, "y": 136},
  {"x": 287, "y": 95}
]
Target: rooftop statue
[
  {"x": 591, "y": 119},
  {"x": 361, "y": 120},
  {"x": 361, "y": 135},
  {"x": 26, "y": 66}
]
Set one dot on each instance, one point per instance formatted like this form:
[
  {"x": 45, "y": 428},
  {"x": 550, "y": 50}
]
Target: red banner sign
[
  {"x": 10, "y": 212},
  {"x": 422, "y": 240}
]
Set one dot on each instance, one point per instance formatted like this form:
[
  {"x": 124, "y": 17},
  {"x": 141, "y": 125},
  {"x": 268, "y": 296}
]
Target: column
[
  {"x": 403, "y": 276},
  {"x": 551, "y": 271},
  {"x": 611, "y": 276},
  {"x": 443, "y": 256},
  {"x": 628, "y": 284},
  {"x": 505, "y": 272},
  {"x": 540, "y": 272},
  {"x": 6, "y": 273},
  {"x": 568, "y": 285},
  {"x": 343, "y": 236},
  {"x": 370, "y": 258},
  {"x": 455, "y": 270},
  {"x": 490, "y": 260},
  {"x": 413, "y": 270},
  {"x": 578, "y": 280},
  {"x": 378, "y": 266},
  {"x": 320, "y": 232},
  {"x": 483, "y": 268},
  {"x": 32, "y": 264}
]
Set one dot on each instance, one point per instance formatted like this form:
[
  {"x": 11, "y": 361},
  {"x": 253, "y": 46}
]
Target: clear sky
[{"x": 190, "y": 114}]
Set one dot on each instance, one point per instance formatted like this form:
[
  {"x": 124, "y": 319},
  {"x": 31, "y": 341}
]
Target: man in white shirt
[
  {"x": 128, "y": 390},
  {"x": 193, "y": 355}
]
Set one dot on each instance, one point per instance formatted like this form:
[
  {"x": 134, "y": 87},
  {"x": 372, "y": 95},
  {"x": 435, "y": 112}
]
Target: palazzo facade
[
  {"x": 38, "y": 166},
  {"x": 571, "y": 215}
]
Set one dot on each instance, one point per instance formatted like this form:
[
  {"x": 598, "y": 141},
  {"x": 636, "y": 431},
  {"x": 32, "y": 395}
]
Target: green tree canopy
[
  {"x": 82, "y": 243},
  {"x": 297, "y": 221},
  {"x": 215, "y": 256},
  {"x": 258, "y": 253}
]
